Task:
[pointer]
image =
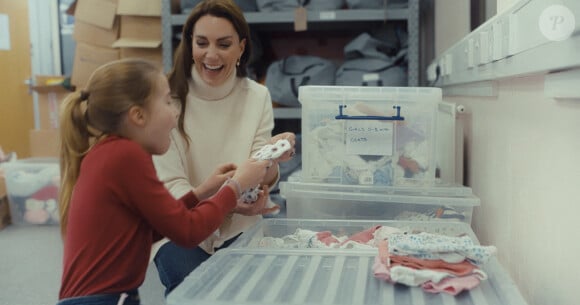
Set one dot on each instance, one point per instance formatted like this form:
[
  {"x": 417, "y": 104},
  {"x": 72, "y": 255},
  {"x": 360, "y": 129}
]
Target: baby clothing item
[
  {"x": 267, "y": 152},
  {"x": 432, "y": 275},
  {"x": 303, "y": 238},
  {"x": 452, "y": 285},
  {"x": 434, "y": 246}
]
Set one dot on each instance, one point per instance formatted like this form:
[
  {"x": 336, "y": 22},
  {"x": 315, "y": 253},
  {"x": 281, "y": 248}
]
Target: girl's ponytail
[{"x": 74, "y": 144}]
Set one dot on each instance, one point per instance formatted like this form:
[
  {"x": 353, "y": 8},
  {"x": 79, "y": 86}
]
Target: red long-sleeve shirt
[{"x": 117, "y": 210}]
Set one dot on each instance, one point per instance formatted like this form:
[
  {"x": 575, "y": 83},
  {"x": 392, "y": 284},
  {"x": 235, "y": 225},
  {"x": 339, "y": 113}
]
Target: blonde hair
[{"x": 98, "y": 110}]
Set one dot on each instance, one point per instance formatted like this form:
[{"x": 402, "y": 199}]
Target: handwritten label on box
[{"x": 368, "y": 137}]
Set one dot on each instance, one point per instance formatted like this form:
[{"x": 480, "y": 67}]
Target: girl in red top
[{"x": 113, "y": 206}]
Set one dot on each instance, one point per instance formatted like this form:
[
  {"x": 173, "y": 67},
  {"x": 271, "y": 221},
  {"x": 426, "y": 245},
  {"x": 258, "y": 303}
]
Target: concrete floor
[{"x": 31, "y": 268}]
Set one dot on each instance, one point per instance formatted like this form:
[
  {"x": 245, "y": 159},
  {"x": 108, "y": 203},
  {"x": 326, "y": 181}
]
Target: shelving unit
[{"x": 320, "y": 20}]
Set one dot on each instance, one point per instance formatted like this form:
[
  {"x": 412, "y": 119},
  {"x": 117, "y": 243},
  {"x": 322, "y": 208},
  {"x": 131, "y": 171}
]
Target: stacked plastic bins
[
  {"x": 33, "y": 186},
  {"x": 368, "y": 160},
  {"x": 369, "y": 153}
]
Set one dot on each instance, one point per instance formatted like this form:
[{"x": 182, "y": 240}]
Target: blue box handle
[{"x": 397, "y": 117}]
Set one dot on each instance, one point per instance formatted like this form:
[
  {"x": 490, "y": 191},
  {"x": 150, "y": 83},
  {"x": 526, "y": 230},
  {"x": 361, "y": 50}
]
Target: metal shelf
[
  {"x": 408, "y": 12},
  {"x": 320, "y": 16},
  {"x": 288, "y": 113}
]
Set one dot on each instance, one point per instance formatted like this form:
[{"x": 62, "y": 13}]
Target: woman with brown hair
[{"x": 226, "y": 117}]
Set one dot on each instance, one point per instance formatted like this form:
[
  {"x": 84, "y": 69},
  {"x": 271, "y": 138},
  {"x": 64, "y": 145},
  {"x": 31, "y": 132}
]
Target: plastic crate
[
  {"x": 268, "y": 276},
  {"x": 311, "y": 201},
  {"x": 278, "y": 228},
  {"x": 32, "y": 186},
  {"x": 369, "y": 135}
]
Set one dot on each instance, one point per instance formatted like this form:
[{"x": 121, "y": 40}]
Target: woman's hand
[
  {"x": 291, "y": 137},
  {"x": 258, "y": 207},
  {"x": 212, "y": 184}
]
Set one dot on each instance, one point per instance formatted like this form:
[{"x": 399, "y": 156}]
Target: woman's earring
[{"x": 238, "y": 63}]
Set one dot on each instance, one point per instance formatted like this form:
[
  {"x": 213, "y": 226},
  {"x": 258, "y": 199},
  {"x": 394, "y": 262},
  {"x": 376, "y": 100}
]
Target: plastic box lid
[
  {"x": 279, "y": 227},
  {"x": 258, "y": 276},
  {"x": 439, "y": 188},
  {"x": 375, "y": 194}
]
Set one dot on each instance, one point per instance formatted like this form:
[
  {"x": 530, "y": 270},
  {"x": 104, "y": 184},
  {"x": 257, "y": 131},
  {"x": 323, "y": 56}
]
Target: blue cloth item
[
  {"x": 103, "y": 299},
  {"x": 383, "y": 175},
  {"x": 174, "y": 262}
]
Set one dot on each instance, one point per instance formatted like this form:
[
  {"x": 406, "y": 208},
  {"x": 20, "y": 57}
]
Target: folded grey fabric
[
  {"x": 371, "y": 72},
  {"x": 289, "y": 5},
  {"x": 285, "y": 76}
]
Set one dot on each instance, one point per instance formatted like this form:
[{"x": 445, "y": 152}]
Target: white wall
[
  {"x": 452, "y": 22},
  {"x": 523, "y": 161}
]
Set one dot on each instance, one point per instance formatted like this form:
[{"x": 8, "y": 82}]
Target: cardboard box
[
  {"x": 50, "y": 95},
  {"x": 139, "y": 7},
  {"x": 5, "y": 218},
  {"x": 4, "y": 207},
  {"x": 101, "y": 13},
  {"x": 95, "y": 35},
  {"x": 140, "y": 37},
  {"x": 87, "y": 59},
  {"x": 155, "y": 55},
  {"x": 45, "y": 143},
  {"x": 141, "y": 28}
]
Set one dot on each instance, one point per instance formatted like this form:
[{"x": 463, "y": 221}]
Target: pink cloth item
[
  {"x": 452, "y": 285},
  {"x": 364, "y": 236},
  {"x": 384, "y": 256},
  {"x": 327, "y": 238},
  {"x": 457, "y": 269},
  {"x": 381, "y": 271}
]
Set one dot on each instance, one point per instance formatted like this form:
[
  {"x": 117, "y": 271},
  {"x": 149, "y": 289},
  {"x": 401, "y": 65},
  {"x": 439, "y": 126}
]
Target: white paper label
[
  {"x": 369, "y": 137},
  {"x": 371, "y": 77},
  {"x": 328, "y": 15}
]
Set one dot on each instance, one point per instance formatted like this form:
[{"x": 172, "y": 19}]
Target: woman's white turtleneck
[{"x": 226, "y": 123}]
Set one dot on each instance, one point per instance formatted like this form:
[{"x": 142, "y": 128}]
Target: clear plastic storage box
[
  {"x": 369, "y": 135},
  {"x": 336, "y": 201},
  {"x": 33, "y": 186},
  {"x": 293, "y": 276},
  {"x": 282, "y": 227}
]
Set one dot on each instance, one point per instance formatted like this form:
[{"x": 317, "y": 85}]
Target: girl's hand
[
  {"x": 258, "y": 207},
  {"x": 213, "y": 183}
]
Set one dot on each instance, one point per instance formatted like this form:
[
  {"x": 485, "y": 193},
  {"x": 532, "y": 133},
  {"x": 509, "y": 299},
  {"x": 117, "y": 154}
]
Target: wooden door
[{"x": 16, "y": 106}]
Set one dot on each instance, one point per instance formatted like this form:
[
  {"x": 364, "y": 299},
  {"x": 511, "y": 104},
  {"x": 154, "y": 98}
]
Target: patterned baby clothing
[{"x": 267, "y": 152}]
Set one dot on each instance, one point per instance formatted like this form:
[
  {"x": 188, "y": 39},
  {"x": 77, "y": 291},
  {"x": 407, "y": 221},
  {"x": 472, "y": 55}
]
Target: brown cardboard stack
[
  {"x": 140, "y": 29},
  {"x": 44, "y": 142},
  {"x": 106, "y": 30},
  {"x": 4, "y": 210},
  {"x": 96, "y": 29}
]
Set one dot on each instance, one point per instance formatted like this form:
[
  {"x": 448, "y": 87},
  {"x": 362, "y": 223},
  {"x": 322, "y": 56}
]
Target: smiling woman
[
  {"x": 226, "y": 117},
  {"x": 216, "y": 54}
]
